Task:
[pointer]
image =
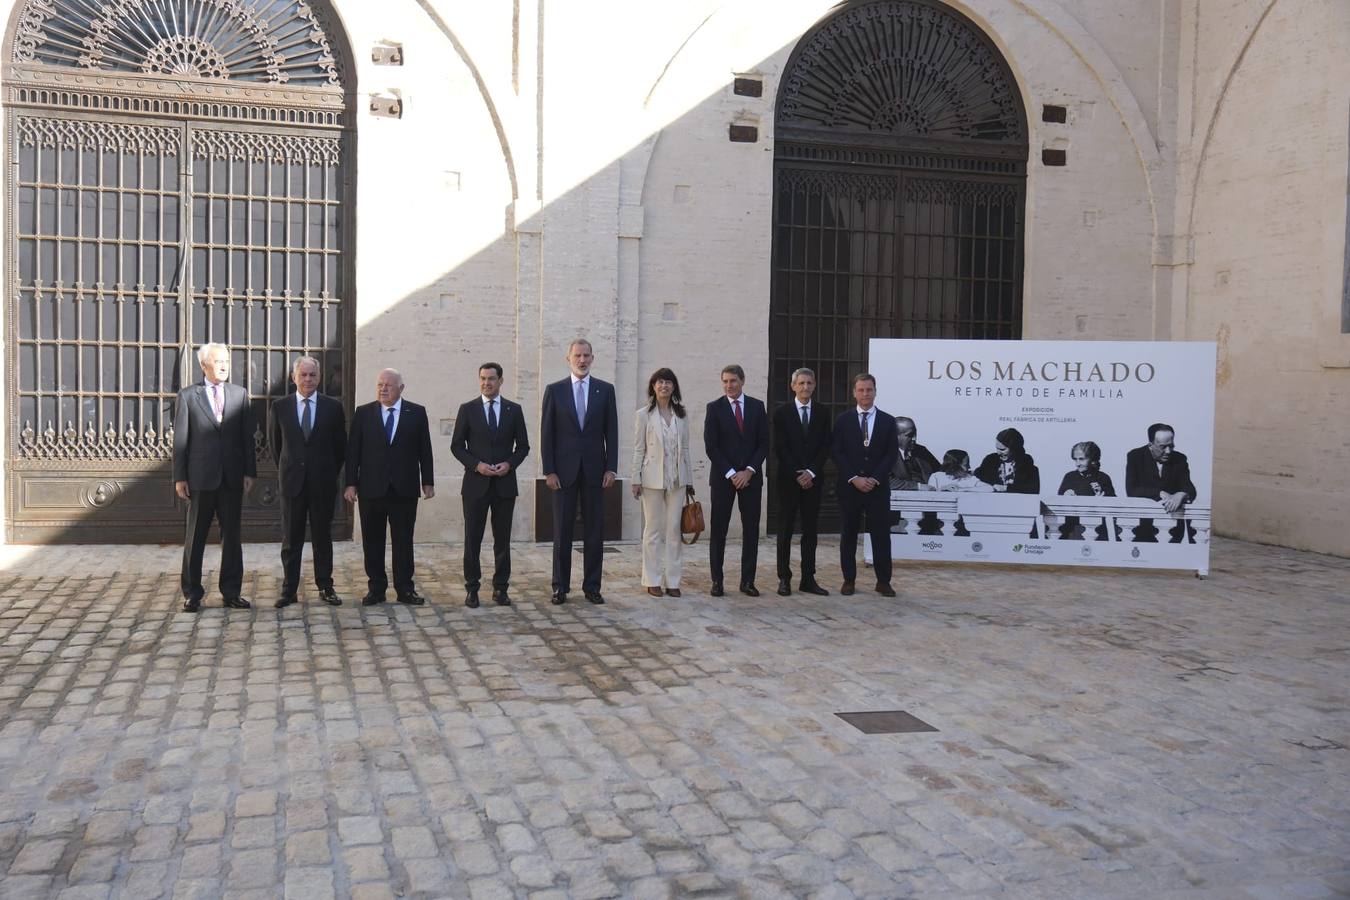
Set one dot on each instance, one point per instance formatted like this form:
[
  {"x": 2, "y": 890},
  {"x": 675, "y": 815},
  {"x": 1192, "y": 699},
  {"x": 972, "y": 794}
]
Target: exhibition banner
[{"x": 1041, "y": 452}]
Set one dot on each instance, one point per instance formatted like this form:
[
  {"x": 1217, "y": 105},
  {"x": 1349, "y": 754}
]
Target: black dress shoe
[
  {"x": 330, "y": 596},
  {"x": 559, "y": 598},
  {"x": 717, "y": 589},
  {"x": 847, "y": 589},
  {"x": 471, "y": 600},
  {"x": 501, "y": 597},
  {"x": 785, "y": 587},
  {"x": 595, "y": 597},
  {"x": 748, "y": 589},
  {"x": 237, "y": 603},
  {"x": 885, "y": 590},
  {"x": 412, "y": 598},
  {"x": 285, "y": 600},
  {"x": 811, "y": 587},
  {"x": 192, "y": 605},
  {"x": 372, "y": 599}
]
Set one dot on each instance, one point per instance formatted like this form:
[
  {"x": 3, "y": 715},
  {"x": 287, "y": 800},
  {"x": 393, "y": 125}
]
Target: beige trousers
[{"x": 661, "y": 545}]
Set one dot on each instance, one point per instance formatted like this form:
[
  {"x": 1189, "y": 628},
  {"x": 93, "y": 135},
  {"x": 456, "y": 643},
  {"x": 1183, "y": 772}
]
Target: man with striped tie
[{"x": 214, "y": 465}]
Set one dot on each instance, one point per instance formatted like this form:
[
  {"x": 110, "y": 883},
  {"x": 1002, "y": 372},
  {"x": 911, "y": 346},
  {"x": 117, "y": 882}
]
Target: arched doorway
[
  {"x": 899, "y": 186},
  {"x": 180, "y": 171}
]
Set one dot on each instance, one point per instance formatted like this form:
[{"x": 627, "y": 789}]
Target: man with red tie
[{"x": 736, "y": 438}]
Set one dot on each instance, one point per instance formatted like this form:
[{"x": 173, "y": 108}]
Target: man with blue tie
[
  {"x": 580, "y": 458},
  {"x": 308, "y": 436},
  {"x": 864, "y": 449},
  {"x": 388, "y": 465},
  {"x": 490, "y": 440},
  {"x": 736, "y": 438}
]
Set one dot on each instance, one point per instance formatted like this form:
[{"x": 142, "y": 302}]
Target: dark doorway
[
  {"x": 166, "y": 194},
  {"x": 899, "y": 189}
]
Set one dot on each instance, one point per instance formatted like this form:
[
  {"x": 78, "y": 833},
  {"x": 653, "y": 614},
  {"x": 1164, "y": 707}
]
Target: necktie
[
  {"x": 806, "y": 419},
  {"x": 740, "y": 419},
  {"x": 864, "y": 429},
  {"x": 306, "y": 422},
  {"x": 389, "y": 426},
  {"x": 581, "y": 403},
  {"x": 217, "y": 405},
  {"x": 492, "y": 415}
]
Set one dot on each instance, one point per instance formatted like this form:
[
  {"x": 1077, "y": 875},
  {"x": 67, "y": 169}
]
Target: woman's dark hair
[
  {"x": 1013, "y": 440},
  {"x": 956, "y": 462},
  {"x": 1091, "y": 452},
  {"x": 676, "y": 402}
]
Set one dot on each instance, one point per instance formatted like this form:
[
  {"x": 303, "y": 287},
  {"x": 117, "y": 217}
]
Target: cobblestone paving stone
[{"x": 1100, "y": 735}]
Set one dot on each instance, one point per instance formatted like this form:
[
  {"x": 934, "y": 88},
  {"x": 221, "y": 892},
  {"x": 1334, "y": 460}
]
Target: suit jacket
[
  {"x": 730, "y": 448},
  {"x": 374, "y": 465},
  {"x": 320, "y": 458},
  {"x": 473, "y": 442},
  {"x": 649, "y": 455},
  {"x": 796, "y": 449},
  {"x": 915, "y": 470},
  {"x": 210, "y": 455},
  {"x": 1143, "y": 480},
  {"x": 1026, "y": 477},
  {"x": 571, "y": 447},
  {"x": 875, "y": 460}
]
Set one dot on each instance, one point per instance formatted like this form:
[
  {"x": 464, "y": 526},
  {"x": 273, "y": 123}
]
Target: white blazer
[{"x": 649, "y": 458}]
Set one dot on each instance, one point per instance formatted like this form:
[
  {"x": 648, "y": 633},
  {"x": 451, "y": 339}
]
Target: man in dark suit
[
  {"x": 801, "y": 441},
  {"x": 388, "y": 464},
  {"x": 580, "y": 427},
  {"x": 864, "y": 450},
  {"x": 1159, "y": 472},
  {"x": 308, "y": 435},
  {"x": 490, "y": 440},
  {"x": 914, "y": 463},
  {"x": 736, "y": 438},
  {"x": 214, "y": 465}
]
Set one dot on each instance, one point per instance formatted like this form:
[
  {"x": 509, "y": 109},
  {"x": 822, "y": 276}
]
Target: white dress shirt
[
  {"x": 398, "y": 416},
  {"x": 313, "y": 408},
  {"x": 732, "y": 401},
  {"x": 871, "y": 420},
  {"x": 810, "y": 416}
]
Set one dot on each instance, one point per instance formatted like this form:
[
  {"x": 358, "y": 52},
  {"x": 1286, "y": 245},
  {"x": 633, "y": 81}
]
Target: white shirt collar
[
  {"x": 739, "y": 398},
  {"x": 300, "y": 401},
  {"x": 870, "y": 412},
  {"x": 397, "y": 407},
  {"x": 583, "y": 380},
  {"x": 800, "y": 405},
  {"x": 487, "y": 400}
]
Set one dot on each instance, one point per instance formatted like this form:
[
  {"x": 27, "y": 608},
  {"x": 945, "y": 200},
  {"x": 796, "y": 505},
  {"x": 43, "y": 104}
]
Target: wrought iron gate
[
  {"x": 899, "y": 187},
  {"x": 164, "y": 191}
]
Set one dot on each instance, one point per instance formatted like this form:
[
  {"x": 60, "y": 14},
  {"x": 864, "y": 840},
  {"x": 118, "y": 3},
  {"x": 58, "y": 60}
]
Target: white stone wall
[
  {"x": 1264, "y": 180},
  {"x": 568, "y": 172}
]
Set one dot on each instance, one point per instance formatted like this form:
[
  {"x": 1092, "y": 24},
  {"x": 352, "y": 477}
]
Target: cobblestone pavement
[{"x": 1099, "y": 735}]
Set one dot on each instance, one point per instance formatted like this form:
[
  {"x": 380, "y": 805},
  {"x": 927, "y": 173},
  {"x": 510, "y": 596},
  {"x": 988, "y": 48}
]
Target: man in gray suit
[{"x": 213, "y": 467}]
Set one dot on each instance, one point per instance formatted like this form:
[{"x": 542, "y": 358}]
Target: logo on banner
[
  {"x": 1134, "y": 551},
  {"x": 1086, "y": 551},
  {"x": 932, "y": 546},
  {"x": 977, "y": 547},
  {"x": 1032, "y": 549}
]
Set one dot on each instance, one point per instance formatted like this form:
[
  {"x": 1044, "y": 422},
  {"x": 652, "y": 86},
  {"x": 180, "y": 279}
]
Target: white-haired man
[{"x": 214, "y": 465}]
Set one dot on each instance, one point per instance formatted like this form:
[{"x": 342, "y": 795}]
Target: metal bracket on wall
[
  {"x": 388, "y": 106},
  {"x": 387, "y": 53}
]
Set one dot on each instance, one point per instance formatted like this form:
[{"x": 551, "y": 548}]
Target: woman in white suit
[{"x": 662, "y": 473}]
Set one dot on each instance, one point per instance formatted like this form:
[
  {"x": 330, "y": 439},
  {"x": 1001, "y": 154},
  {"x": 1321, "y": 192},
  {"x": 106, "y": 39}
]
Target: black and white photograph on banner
[{"x": 1052, "y": 452}]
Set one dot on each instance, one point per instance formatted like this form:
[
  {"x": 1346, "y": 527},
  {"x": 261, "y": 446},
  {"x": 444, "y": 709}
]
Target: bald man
[{"x": 389, "y": 467}]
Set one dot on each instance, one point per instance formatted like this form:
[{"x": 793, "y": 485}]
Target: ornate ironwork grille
[
  {"x": 164, "y": 191},
  {"x": 899, "y": 187}
]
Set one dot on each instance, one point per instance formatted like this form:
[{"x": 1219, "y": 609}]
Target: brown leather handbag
[{"x": 691, "y": 517}]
